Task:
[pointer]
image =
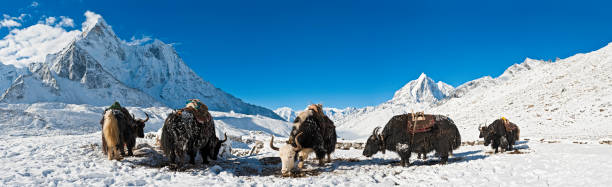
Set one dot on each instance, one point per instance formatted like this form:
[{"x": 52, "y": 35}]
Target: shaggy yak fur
[
  {"x": 498, "y": 136},
  {"x": 184, "y": 133},
  {"x": 128, "y": 128},
  {"x": 443, "y": 138},
  {"x": 318, "y": 134},
  {"x": 110, "y": 138}
]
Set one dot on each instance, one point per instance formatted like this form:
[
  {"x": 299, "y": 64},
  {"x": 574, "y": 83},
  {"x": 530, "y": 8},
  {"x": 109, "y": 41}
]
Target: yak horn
[
  {"x": 375, "y": 131},
  {"x": 147, "y": 117},
  {"x": 272, "y": 144},
  {"x": 299, "y": 147},
  {"x": 133, "y": 117},
  {"x": 224, "y": 139}
]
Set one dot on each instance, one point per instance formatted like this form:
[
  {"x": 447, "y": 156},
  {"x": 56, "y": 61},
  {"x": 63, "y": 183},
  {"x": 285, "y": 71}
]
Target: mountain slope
[
  {"x": 416, "y": 95},
  {"x": 98, "y": 68},
  {"x": 570, "y": 98}
]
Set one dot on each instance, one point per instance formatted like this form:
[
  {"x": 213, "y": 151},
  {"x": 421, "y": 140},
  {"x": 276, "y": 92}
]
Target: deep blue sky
[{"x": 346, "y": 53}]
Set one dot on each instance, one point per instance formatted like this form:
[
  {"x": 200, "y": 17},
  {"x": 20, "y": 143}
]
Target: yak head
[
  {"x": 483, "y": 131},
  {"x": 488, "y": 134},
  {"x": 374, "y": 144},
  {"x": 217, "y": 146},
  {"x": 139, "y": 124},
  {"x": 287, "y": 155}
]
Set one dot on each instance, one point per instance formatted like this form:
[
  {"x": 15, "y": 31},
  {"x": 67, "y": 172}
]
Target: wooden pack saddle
[
  {"x": 201, "y": 116},
  {"x": 420, "y": 122},
  {"x": 509, "y": 126}
]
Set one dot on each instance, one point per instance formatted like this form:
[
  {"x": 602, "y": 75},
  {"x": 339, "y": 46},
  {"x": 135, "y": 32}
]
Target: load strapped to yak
[
  {"x": 509, "y": 125},
  {"x": 420, "y": 122},
  {"x": 198, "y": 109}
]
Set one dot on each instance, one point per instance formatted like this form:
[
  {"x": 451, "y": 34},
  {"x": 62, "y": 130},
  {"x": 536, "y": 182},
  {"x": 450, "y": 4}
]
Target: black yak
[
  {"x": 438, "y": 133},
  {"x": 120, "y": 129},
  {"x": 318, "y": 135},
  {"x": 500, "y": 134},
  {"x": 189, "y": 130}
]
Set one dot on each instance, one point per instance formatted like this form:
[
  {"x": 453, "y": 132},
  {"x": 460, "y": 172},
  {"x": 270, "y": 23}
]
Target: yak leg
[
  {"x": 320, "y": 153},
  {"x": 329, "y": 158},
  {"x": 496, "y": 145},
  {"x": 204, "y": 154},
  {"x": 172, "y": 157},
  {"x": 301, "y": 159},
  {"x": 442, "y": 150},
  {"x": 443, "y": 159},
  {"x": 419, "y": 156},
  {"x": 321, "y": 158},
  {"x": 130, "y": 145},
  {"x": 192, "y": 154},
  {"x": 510, "y": 143},
  {"x": 180, "y": 158},
  {"x": 121, "y": 147},
  {"x": 405, "y": 159},
  {"x": 104, "y": 144}
]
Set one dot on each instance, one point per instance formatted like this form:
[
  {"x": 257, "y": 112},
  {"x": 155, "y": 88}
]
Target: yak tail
[
  {"x": 457, "y": 142},
  {"x": 111, "y": 134},
  {"x": 167, "y": 137}
]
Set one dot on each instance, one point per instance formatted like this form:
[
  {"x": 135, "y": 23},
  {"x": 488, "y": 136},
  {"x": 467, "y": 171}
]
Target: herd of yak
[{"x": 191, "y": 130}]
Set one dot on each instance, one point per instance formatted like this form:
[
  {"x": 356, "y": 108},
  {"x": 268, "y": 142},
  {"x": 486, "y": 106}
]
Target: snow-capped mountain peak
[
  {"x": 98, "y": 68},
  {"x": 422, "y": 90},
  {"x": 96, "y": 24}
]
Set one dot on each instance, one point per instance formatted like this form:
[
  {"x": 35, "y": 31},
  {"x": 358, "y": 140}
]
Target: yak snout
[{"x": 372, "y": 146}]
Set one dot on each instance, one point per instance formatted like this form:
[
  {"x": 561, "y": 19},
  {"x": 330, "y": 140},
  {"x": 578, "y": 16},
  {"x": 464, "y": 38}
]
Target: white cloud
[
  {"x": 65, "y": 22},
  {"x": 91, "y": 20},
  {"x": 135, "y": 41},
  {"x": 34, "y": 4},
  {"x": 10, "y": 21},
  {"x": 32, "y": 44},
  {"x": 50, "y": 20},
  {"x": 62, "y": 21}
]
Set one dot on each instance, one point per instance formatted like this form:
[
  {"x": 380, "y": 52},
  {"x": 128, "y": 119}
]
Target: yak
[
  {"x": 400, "y": 136},
  {"x": 318, "y": 135},
  {"x": 288, "y": 154},
  {"x": 119, "y": 130},
  {"x": 188, "y": 131},
  {"x": 500, "y": 134}
]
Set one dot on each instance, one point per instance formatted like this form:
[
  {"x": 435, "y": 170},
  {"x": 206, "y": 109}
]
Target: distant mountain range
[
  {"x": 568, "y": 98},
  {"x": 417, "y": 93}
]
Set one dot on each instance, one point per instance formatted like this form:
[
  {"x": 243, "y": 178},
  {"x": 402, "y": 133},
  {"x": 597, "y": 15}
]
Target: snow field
[{"x": 76, "y": 160}]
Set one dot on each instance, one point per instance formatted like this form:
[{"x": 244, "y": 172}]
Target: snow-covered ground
[
  {"x": 72, "y": 119},
  {"x": 570, "y": 98},
  {"x": 76, "y": 160}
]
